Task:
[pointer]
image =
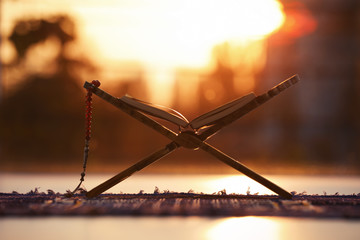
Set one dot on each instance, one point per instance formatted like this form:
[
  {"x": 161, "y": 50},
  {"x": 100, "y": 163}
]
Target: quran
[
  {"x": 177, "y": 118},
  {"x": 214, "y": 121}
]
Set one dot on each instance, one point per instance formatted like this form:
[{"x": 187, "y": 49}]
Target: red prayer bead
[
  {"x": 88, "y": 111},
  {"x": 96, "y": 83}
]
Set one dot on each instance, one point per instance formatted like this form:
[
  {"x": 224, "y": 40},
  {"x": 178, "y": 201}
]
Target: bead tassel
[{"x": 88, "y": 118}]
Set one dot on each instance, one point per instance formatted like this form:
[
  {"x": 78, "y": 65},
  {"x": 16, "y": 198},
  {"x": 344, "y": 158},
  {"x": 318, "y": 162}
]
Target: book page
[
  {"x": 156, "y": 110},
  {"x": 222, "y": 111}
]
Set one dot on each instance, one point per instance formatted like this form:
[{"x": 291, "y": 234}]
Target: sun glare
[
  {"x": 161, "y": 35},
  {"x": 245, "y": 228},
  {"x": 176, "y": 32},
  {"x": 168, "y": 34},
  {"x": 238, "y": 184}
]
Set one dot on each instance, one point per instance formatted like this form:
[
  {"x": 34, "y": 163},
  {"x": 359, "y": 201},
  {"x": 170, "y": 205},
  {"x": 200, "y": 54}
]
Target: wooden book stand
[{"x": 190, "y": 139}]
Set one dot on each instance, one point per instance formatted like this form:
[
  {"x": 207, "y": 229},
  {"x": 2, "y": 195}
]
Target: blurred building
[{"x": 326, "y": 118}]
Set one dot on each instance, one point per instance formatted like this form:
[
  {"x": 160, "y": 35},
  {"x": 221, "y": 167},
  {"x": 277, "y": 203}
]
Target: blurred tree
[
  {"x": 30, "y": 32},
  {"x": 40, "y": 120}
]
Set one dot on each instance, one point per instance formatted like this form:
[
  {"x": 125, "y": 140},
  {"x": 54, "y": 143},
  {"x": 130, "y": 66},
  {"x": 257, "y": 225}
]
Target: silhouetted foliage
[
  {"x": 29, "y": 32},
  {"x": 43, "y": 119},
  {"x": 43, "y": 116}
]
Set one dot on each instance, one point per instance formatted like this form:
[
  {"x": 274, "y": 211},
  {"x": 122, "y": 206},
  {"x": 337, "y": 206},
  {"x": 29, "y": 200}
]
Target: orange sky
[{"x": 160, "y": 35}]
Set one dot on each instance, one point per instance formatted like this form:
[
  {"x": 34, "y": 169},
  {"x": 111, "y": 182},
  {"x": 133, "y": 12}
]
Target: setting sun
[
  {"x": 176, "y": 32},
  {"x": 163, "y": 35}
]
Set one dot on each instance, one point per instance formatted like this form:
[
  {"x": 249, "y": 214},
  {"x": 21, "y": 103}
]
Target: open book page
[
  {"x": 156, "y": 110},
  {"x": 220, "y": 112}
]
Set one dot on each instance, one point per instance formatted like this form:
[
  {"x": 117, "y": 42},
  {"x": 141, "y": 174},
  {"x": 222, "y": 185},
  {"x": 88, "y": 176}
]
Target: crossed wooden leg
[
  {"x": 131, "y": 170},
  {"x": 192, "y": 142}
]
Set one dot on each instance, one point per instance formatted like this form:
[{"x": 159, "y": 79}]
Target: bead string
[{"x": 88, "y": 118}]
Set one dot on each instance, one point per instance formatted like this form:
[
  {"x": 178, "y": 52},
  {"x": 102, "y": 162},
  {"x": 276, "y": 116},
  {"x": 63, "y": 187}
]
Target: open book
[{"x": 175, "y": 117}]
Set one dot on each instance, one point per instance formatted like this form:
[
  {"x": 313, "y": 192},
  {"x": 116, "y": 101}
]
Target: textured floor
[{"x": 179, "y": 204}]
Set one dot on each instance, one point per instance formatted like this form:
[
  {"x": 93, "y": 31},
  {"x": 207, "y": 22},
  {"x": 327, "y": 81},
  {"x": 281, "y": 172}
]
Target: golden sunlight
[
  {"x": 238, "y": 184},
  {"x": 161, "y": 35},
  {"x": 176, "y": 32},
  {"x": 167, "y": 34},
  {"x": 245, "y": 228}
]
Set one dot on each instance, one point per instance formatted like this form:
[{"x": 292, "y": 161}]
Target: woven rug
[{"x": 179, "y": 204}]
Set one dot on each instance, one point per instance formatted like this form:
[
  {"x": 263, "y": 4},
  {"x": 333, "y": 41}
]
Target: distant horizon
[{"x": 177, "y": 166}]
